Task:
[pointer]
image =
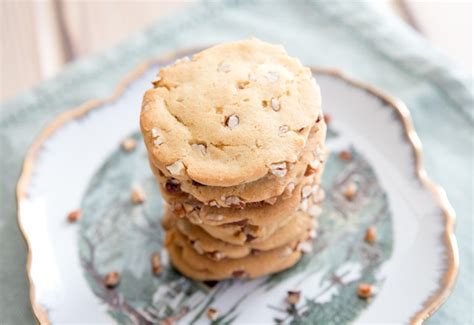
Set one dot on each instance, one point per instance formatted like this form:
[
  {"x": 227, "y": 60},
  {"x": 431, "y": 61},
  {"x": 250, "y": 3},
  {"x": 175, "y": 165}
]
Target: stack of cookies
[{"x": 235, "y": 137}]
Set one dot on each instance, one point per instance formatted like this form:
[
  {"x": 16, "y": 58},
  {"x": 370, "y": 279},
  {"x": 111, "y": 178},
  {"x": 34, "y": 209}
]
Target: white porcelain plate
[{"x": 77, "y": 162}]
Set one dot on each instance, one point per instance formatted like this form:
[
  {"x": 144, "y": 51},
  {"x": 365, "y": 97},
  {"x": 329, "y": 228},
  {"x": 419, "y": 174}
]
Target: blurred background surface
[{"x": 40, "y": 37}]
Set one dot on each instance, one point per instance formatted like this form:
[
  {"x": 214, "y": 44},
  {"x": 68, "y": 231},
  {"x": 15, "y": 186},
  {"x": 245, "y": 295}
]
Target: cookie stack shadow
[{"x": 258, "y": 226}]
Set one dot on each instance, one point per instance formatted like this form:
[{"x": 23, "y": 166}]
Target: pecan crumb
[
  {"x": 287, "y": 251},
  {"x": 238, "y": 274},
  {"x": 306, "y": 191},
  {"x": 214, "y": 203},
  {"x": 271, "y": 200},
  {"x": 177, "y": 168},
  {"x": 157, "y": 142},
  {"x": 75, "y": 215},
  {"x": 138, "y": 196},
  {"x": 155, "y": 82},
  {"x": 234, "y": 202},
  {"x": 293, "y": 297},
  {"x": 215, "y": 217},
  {"x": 156, "y": 263},
  {"x": 111, "y": 279},
  {"x": 232, "y": 121},
  {"x": 364, "y": 290},
  {"x": 315, "y": 164},
  {"x": 275, "y": 103},
  {"x": 194, "y": 217},
  {"x": 212, "y": 314},
  {"x": 198, "y": 247},
  {"x": 345, "y": 155},
  {"x": 371, "y": 235},
  {"x": 216, "y": 256},
  {"x": 278, "y": 169},
  {"x": 305, "y": 247},
  {"x": 129, "y": 144},
  {"x": 350, "y": 191},
  {"x": 157, "y": 137},
  {"x": 199, "y": 147},
  {"x": 327, "y": 118}
]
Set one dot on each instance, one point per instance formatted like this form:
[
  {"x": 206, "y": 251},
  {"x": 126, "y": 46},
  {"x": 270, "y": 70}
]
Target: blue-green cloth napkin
[{"x": 348, "y": 35}]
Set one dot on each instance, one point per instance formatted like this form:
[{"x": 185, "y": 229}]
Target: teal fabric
[{"x": 348, "y": 35}]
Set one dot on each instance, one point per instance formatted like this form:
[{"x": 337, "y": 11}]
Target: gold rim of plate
[{"x": 449, "y": 240}]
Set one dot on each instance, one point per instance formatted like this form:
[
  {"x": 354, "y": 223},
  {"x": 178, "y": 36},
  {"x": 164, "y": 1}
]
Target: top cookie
[{"x": 231, "y": 114}]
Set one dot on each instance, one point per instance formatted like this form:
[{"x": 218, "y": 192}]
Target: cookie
[
  {"x": 230, "y": 115},
  {"x": 239, "y": 233},
  {"x": 199, "y": 267},
  {"x": 257, "y": 214},
  {"x": 213, "y": 248},
  {"x": 266, "y": 188}
]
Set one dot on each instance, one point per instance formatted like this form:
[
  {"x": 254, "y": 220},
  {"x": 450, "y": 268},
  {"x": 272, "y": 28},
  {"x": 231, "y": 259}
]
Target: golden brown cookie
[
  {"x": 239, "y": 233},
  {"x": 230, "y": 115},
  {"x": 266, "y": 188},
  {"x": 255, "y": 214},
  {"x": 213, "y": 248},
  {"x": 200, "y": 267},
  {"x": 256, "y": 223}
]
